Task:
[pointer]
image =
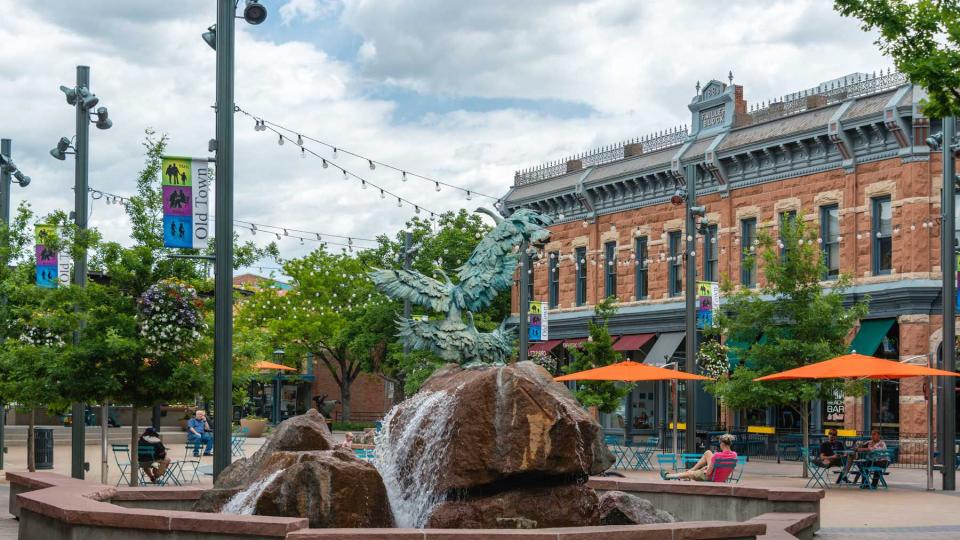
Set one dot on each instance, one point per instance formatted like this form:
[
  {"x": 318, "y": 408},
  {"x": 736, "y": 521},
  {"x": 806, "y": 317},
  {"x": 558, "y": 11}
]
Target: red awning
[
  {"x": 632, "y": 342},
  {"x": 545, "y": 346},
  {"x": 574, "y": 342}
]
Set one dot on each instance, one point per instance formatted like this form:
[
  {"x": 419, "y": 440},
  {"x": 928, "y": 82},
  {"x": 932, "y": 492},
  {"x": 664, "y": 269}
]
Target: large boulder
[
  {"x": 498, "y": 423},
  {"x": 619, "y": 508},
  {"x": 570, "y": 505},
  {"x": 297, "y": 473},
  {"x": 305, "y": 432}
]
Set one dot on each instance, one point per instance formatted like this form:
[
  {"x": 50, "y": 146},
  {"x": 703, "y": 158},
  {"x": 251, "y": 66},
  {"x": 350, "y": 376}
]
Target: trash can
[{"x": 43, "y": 448}]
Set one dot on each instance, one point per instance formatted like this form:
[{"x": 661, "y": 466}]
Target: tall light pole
[
  {"x": 948, "y": 261},
  {"x": 83, "y": 102},
  {"x": 8, "y": 171},
  {"x": 221, "y": 38},
  {"x": 690, "y": 287}
]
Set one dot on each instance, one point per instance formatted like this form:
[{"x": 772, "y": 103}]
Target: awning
[
  {"x": 871, "y": 333},
  {"x": 664, "y": 348},
  {"x": 545, "y": 346},
  {"x": 574, "y": 342},
  {"x": 632, "y": 342}
]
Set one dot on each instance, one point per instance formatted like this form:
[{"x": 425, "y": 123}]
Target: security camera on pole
[
  {"x": 8, "y": 170},
  {"x": 221, "y": 37},
  {"x": 85, "y": 104}
]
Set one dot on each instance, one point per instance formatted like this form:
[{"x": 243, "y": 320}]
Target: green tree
[
  {"x": 801, "y": 323},
  {"x": 594, "y": 353},
  {"x": 923, "y": 38}
]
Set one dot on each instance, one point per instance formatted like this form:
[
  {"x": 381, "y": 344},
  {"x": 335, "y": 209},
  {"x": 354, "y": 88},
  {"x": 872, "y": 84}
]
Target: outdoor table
[{"x": 844, "y": 466}]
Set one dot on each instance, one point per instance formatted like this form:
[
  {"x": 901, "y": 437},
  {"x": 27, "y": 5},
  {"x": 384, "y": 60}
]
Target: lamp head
[
  {"x": 60, "y": 152},
  {"x": 679, "y": 196},
  {"x": 210, "y": 36},
  {"x": 87, "y": 98},
  {"x": 22, "y": 179},
  {"x": 103, "y": 119},
  {"x": 71, "y": 94},
  {"x": 934, "y": 141},
  {"x": 254, "y": 13}
]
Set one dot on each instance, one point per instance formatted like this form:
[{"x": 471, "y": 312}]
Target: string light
[
  {"x": 325, "y": 164},
  {"x": 280, "y": 140},
  {"x": 372, "y": 163}
]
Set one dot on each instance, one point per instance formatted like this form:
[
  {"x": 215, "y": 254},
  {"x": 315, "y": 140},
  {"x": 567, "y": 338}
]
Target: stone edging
[{"x": 80, "y": 503}]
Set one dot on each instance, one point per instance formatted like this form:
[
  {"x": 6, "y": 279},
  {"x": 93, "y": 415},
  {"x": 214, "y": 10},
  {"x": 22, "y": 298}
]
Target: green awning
[{"x": 871, "y": 333}]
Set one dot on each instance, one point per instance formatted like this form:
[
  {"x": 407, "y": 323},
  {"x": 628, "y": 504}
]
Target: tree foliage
[
  {"x": 923, "y": 38},
  {"x": 597, "y": 352}
]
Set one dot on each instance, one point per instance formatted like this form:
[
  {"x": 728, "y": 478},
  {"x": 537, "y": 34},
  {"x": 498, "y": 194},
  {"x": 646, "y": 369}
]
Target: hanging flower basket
[{"x": 170, "y": 318}]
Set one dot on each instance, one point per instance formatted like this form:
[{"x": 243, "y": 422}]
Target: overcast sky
[{"x": 466, "y": 92}]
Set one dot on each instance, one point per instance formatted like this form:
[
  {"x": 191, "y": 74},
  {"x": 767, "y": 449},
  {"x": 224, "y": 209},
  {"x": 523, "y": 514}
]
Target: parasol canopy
[
  {"x": 629, "y": 371},
  {"x": 270, "y": 365},
  {"x": 857, "y": 366}
]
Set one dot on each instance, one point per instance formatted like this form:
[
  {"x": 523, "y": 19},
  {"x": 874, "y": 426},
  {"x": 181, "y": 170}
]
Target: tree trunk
[
  {"x": 31, "y": 461},
  {"x": 134, "y": 453},
  {"x": 805, "y": 420},
  {"x": 345, "y": 401},
  {"x": 104, "y": 431}
]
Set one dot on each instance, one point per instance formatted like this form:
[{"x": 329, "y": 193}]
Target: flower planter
[{"x": 254, "y": 426}]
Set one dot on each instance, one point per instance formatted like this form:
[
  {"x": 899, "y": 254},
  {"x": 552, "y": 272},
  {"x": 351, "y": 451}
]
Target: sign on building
[
  {"x": 708, "y": 300},
  {"x": 835, "y": 409},
  {"x": 537, "y": 322},
  {"x": 186, "y": 202}
]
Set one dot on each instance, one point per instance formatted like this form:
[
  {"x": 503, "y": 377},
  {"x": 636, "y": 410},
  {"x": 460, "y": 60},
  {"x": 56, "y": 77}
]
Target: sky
[{"x": 463, "y": 92}]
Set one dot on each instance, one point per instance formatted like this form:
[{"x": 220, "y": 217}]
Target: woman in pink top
[{"x": 703, "y": 470}]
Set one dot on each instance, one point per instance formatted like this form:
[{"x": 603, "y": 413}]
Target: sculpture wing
[
  {"x": 413, "y": 286},
  {"x": 450, "y": 340},
  {"x": 496, "y": 346},
  {"x": 491, "y": 266}
]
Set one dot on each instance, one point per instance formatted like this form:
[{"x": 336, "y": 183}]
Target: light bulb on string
[
  {"x": 363, "y": 184},
  {"x": 382, "y": 194},
  {"x": 372, "y": 165},
  {"x": 345, "y": 177},
  {"x": 403, "y": 176},
  {"x": 299, "y": 140},
  {"x": 399, "y": 202},
  {"x": 280, "y": 140},
  {"x": 469, "y": 196},
  {"x": 303, "y": 153},
  {"x": 334, "y": 152},
  {"x": 416, "y": 209},
  {"x": 325, "y": 164},
  {"x": 438, "y": 186}
]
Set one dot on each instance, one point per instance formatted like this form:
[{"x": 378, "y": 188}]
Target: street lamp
[
  {"x": 83, "y": 100},
  {"x": 223, "y": 41}
]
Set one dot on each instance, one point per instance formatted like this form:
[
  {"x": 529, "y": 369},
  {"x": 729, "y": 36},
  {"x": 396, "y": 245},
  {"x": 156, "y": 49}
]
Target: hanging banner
[
  {"x": 53, "y": 268},
  {"x": 537, "y": 321},
  {"x": 186, "y": 202},
  {"x": 46, "y": 257},
  {"x": 708, "y": 300}
]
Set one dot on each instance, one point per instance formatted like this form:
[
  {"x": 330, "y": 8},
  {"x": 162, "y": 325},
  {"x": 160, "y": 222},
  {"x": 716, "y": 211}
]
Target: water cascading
[
  {"x": 244, "y": 502},
  {"x": 420, "y": 442}
]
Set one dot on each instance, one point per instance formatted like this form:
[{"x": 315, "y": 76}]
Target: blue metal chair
[
  {"x": 817, "y": 472},
  {"x": 667, "y": 462},
  {"x": 147, "y": 454},
  {"x": 642, "y": 452},
  {"x": 875, "y": 468},
  {"x": 616, "y": 447},
  {"x": 738, "y": 471},
  {"x": 123, "y": 465},
  {"x": 723, "y": 469},
  {"x": 687, "y": 461}
]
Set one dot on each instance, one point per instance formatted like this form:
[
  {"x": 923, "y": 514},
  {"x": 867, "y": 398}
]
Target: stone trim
[
  {"x": 879, "y": 189},
  {"x": 747, "y": 212},
  {"x": 672, "y": 225},
  {"x": 556, "y": 245},
  {"x": 610, "y": 236},
  {"x": 713, "y": 218},
  {"x": 786, "y": 205},
  {"x": 642, "y": 230},
  {"x": 580, "y": 241},
  {"x": 913, "y": 319},
  {"x": 826, "y": 198}
]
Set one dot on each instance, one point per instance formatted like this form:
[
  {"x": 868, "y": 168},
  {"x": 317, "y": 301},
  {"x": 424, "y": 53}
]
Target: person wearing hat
[{"x": 156, "y": 466}]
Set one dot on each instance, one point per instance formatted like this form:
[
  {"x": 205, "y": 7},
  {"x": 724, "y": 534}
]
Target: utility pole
[
  {"x": 78, "y": 429},
  {"x": 690, "y": 288},
  {"x": 948, "y": 262},
  {"x": 524, "y": 302},
  {"x": 223, "y": 279}
]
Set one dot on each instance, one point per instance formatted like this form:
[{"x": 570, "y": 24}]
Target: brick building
[{"x": 848, "y": 157}]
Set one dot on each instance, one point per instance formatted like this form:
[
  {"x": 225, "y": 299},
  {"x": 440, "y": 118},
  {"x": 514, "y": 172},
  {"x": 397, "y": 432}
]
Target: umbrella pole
[
  {"x": 930, "y": 394},
  {"x": 676, "y": 412}
]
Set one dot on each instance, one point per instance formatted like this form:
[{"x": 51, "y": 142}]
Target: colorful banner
[
  {"x": 708, "y": 299},
  {"x": 186, "y": 202},
  {"x": 537, "y": 327},
  {"x": 52, "y": 268}
]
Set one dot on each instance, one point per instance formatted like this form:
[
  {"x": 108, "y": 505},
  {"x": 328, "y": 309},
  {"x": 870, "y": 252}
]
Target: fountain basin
[{"x": 56, "y": 507}]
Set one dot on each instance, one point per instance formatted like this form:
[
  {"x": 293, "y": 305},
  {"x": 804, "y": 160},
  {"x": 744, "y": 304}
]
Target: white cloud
[
  {"x": 308, "y": 10},
  {"x": 634, "y": 63}
]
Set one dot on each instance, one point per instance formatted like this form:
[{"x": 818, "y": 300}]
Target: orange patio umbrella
[
  {"x": 629, "y": 371},
  {"x": 270, "y": 365},
  {"x": 857, "y": 366}
]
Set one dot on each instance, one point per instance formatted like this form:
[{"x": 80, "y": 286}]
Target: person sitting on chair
[
  {"x": 828, "y": 451},
  {"x": 199, "y": 432},
  {"x": 875, "y": 444},
  {"x": 156, "y": 467},
  {"x": 703, "y": 470}
]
